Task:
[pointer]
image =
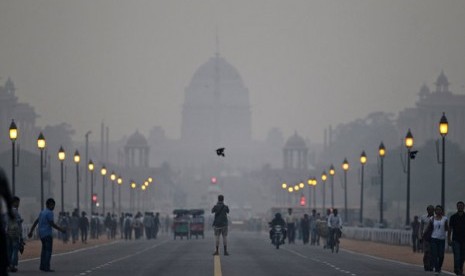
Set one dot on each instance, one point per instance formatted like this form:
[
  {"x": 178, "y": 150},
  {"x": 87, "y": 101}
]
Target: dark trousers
[
  {"x": 84, "y": 234},
  {"x": 46, "y": 253},
  {"x": 427, "y": 259},
  {"x": 13, "y": 248},
  {"x": 459, "y": 256},
  {"x": 291, "y": 232},
  {"x": 437, "y": 253},
  {"x": 148, "y": 232},
  {"x": 415, "y": 243}
]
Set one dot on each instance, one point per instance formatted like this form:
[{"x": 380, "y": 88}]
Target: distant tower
[
  {"x": 295, "y": 153},
  {"x": 136, "y": 151},
  {"x": 442, "y": 83}
]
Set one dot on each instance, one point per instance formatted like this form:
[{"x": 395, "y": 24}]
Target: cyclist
[{"x": 335, "y": 226}]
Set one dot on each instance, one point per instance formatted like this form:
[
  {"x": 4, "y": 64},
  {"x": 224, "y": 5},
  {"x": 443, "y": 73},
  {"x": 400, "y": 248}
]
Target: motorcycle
[{"x": 277, "y": 235}]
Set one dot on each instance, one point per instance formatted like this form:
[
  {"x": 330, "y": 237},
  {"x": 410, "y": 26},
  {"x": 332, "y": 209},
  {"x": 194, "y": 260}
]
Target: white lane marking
[
  {"x": 319, "y": 261},
  {"x": 125, "y": 257}
]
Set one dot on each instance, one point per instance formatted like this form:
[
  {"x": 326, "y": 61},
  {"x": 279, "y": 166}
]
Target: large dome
[
  {"x": 295, "y": 142},
  {"x": 217, "y": 81},
  {"x": 216, "y": 106},
  {"x": 136, "y": 140}
]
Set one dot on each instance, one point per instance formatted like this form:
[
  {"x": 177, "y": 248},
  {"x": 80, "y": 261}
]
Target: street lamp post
[
  {"x": 41, "y": 144},
  {"x": 103, "y": 171},
  {"x": 363, "y": 160},
  {"x": 77, "y": 159},
  {"x": 13, "y": 137},
  {"x": 382, "y": 153},
  {"x": 131, "y": 199},
  {"x": 143, "y": 189},
  {"x": 324, "y": 177},
  {"x": 345, "y": 168},
  {"x": 86, "y": 184},
  {"x": 61, "y": 157},
  {"x": 91, "y": 169},
  {"x": 443, "y": 130},
  {"x": 290, "y": 190},
  {"x": 284, "y": 187},
  {"x": 120, "y": 182},
  {"x": 408, "y": 145},
  {"x": 332, "y": 172},
  {"x": 113, "y": 178},
  {"x": 312, "y": 181}
]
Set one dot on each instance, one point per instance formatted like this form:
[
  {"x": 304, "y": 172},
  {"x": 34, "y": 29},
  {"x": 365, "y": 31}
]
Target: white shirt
[
  {"x": 439, "y": 228},
  {"x": 334, "y": 221}
]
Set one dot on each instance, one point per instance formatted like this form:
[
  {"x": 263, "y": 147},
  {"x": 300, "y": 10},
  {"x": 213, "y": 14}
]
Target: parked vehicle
[
  {"x": 181, "y": 223},
  {"x": 197, "y": 223}
]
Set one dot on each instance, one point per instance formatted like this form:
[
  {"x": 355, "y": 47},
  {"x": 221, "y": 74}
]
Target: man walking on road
[
  {"x": 46, "y": 222},
  {"x": 457, "y": 229},
  {"x": 425, "y": 221},
  {"x": 220, "y": 224}
]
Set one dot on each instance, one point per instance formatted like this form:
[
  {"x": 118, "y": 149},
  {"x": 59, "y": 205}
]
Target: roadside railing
[{"x": 389, "y": 236}]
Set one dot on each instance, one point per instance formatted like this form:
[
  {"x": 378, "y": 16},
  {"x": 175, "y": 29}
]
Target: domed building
[
  {"x": 216, "y": 108},
  {"x": 136, "y": 151},
  {"x": 423, "y": 119},
  {"x": 295, "y": 153}
]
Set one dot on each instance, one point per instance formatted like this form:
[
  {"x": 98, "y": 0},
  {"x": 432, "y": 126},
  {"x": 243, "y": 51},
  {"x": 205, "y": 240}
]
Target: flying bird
[{"x": 220, "y": 152}]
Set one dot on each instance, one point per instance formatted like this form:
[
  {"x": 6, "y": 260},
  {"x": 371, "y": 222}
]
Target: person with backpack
[
  {"x": 220, "y": 224},
  {"x": 14, "y": 235}
]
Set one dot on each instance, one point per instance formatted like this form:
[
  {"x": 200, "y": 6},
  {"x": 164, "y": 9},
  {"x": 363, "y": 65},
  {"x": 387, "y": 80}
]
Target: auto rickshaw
[
  {"x": 197, "y": 224},
  {"x": 181, "y": 223}
]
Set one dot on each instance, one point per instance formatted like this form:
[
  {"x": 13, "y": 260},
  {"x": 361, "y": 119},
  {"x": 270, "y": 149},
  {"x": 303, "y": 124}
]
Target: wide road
[{"x": 251, "y": 254}]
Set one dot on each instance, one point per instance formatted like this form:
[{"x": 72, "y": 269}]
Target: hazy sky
[{"x": 307, "y": 64}]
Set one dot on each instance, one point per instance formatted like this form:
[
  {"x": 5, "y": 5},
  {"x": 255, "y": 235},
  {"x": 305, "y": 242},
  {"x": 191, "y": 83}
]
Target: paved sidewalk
[{"x": 393, "y": 252}]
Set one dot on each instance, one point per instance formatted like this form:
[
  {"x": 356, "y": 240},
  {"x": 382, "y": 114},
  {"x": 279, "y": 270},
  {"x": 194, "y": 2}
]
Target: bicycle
[{"x": 334, "y": 242}]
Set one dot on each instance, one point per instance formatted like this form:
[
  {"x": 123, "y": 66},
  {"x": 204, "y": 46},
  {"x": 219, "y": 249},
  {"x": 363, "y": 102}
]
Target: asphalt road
[{"x": 251, "y": 254}]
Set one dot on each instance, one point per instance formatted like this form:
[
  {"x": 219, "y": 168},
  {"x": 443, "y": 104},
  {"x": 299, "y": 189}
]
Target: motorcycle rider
[{"x": 278, "y": 220}]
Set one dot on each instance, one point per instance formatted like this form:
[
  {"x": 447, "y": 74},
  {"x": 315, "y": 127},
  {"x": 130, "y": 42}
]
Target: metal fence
[{"x": 389, "y": 236}]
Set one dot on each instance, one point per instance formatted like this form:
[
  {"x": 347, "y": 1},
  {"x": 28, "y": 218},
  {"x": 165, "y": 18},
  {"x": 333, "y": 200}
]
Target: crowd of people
[
  {"x": 70, "y": 227},
  {"x": 311, "y": 228},
  {"x": 128, "y": 226},
  {"x": 432, "y": 230}
]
